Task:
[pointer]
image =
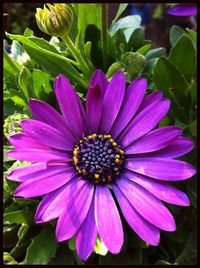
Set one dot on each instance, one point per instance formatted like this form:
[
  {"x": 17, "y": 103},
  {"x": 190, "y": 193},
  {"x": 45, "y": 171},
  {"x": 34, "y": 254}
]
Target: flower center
[{"x": 98, "y": 158}]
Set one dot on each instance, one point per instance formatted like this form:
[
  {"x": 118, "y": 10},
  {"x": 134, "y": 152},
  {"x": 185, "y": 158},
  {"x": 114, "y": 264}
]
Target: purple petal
[
  {"x": 162, "y": 190},
  {"x": 100, "y": 79},
  {"x": 54, "y": 203},
  {"x": 149, "y": 99},
  {"x": 42, "y": 111},
  {"x": 145, "y": 121},
  {"x": 75, "y": 211},
  {"x": 45, "y": 134},
  {"x": 87, "y": 235},
  {"x": 108, "y": 220},
  {"x": 154, "y": 140},
  {"x": 183, "y": 10},
  {"x": 94, "y": 99},
  {"x": 44, "y": 181},
  {"x": 94, "y": 102},
  {"x": 132, "y": 100},
  {"x": 18, "y": 173},
  {"x": 112, "y": 101},
  {"x": 178, "y": 148},
  {"x": 70, "y": 105},
  {"x": 161, "y": 168},
  {"x": 36, "y": 155},
  {"x": 148, "y": 232},
  {"x": 20, "y": 140},
  {"x": 150, "y": 207}
]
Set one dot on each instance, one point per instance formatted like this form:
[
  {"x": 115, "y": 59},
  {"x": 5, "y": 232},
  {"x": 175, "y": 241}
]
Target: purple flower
[
  {"x": 183, "y": 10},
  {"x": 81, "y": 158}
]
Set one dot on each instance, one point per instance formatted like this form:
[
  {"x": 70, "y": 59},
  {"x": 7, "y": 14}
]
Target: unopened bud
[
  {"x": 12, "y": 124},
  {"x": 55, "y": 20},
  {"x": 114, "y": 68},
  {"x": 134, "y": 62}
]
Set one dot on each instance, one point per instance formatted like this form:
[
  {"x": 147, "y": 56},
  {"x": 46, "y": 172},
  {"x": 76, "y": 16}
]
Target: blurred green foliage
[{"x": 30, "y": 71}]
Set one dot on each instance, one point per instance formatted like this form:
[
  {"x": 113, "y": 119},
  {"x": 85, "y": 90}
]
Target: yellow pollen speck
[
  {"x": 114, "y": 144},
  {"x": 75, "y": 152},
  {"x": 117, "y": 156},
  {"x": 117, "y": 161},
  {"x": 96, "y": 176}
]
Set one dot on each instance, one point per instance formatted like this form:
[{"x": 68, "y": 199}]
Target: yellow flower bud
[{"x": 55, "y": 20}]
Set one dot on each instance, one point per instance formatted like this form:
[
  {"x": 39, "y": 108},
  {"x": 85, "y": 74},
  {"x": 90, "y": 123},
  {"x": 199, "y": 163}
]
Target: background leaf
[
  {"x": 42, "y": 248},
  {"x": 183, "y": 56},
  {"x": 128, "y": 24}
]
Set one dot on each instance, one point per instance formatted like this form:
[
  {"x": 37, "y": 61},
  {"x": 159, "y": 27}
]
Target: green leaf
[
  {"x": 193, "y": 91},
  {"x": 10, "y": 67},
  {"x": 88, "y": 14},
  {"x": 5, "y": 150},
  {"x": 41, "y": 83},
  {"x": 93, "y": 35},
  {"x": 87, "y": 49},
  {"x": 28, "y": 32},
  {"x": 22, "y": 243},
  {"x": 52, "y": 62},
  {"x": 8, "y": 259},
  {"x": 168, "y": 78},
  {"x": 162, "y": 262},
  {"x": 17, "y": 98},
  {"x": 136, "y": 40},
  {"x": 42, "y": 248},
  {"x": 72, "y": 243},
  {"x": 40, "y": 42},
  {"x": 10, "y": 108},
  {"x": 183, "y": 56},
  {"x": 193, "y": 128},
  {"x": 121, "y": 9},
  {"x": 25, "y": 82},
  {"x": 143, "y": 50},
  {"x": 155, "y": 53},
  {"x": 193, "y": 35},
  {"x": 175, "y": 34},
  {"x": 165, "y": 122},
  {"x": 100, "y": 248},
  {"x": 128, "y": 24},
  {"x": 19, "y": 217},
  {"x": 10, "y": 71}
]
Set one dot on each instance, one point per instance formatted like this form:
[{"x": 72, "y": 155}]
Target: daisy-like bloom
[
  {"x": 81, "y": 159},
  {"x": 183, "y": 10}
]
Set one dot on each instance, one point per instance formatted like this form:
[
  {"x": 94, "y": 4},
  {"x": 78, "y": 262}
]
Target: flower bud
[
  {"x": 134, "y": 62},
  {"x": 56, "y": 20},
  {"x": 12, "y": 124},
  {"x": 114, "y": 68}
]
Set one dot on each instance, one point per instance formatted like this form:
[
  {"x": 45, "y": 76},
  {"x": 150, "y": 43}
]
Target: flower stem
[
  {"x": 77, "y": 55},
  {"x": 104, "y": 34}
]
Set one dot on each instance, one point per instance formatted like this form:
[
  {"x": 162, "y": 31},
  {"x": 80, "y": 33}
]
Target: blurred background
[{"x": 19, "y": 16}]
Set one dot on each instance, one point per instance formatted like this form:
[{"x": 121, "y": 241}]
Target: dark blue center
[{"x": 98, "y": 158}]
